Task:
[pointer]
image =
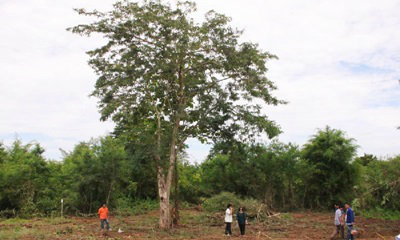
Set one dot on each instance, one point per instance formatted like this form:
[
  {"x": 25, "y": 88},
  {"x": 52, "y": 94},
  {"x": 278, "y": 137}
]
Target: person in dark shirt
[
  {"x": 241, "y": 218},
  {"x": 349, "y": 221}
]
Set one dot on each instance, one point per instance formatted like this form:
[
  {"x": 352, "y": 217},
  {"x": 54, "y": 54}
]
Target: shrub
[
  {"x": 126, "y": 206},
  {"x": 220, "y": 201},
  {"x": 8, "y": 213},
  {"x": 253, "y": 207},
  {"x": 379, "y": 213}
]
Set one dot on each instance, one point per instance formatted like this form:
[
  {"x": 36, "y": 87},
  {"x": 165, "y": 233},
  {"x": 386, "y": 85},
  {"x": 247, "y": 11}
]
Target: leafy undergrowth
[
  {"x": 195, "y": 225},
  {"x": 381, "y": 213}
]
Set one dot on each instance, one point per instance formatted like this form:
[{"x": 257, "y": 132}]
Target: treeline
[{"x": 121, "y": 173}]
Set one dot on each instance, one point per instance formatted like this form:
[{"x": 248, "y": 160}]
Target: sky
[{"x": 339, "y": 65}]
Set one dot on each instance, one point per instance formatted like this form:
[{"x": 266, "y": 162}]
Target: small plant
[
  {"x": 67, "y": 230},
  {"x": 7, "y": 213}
]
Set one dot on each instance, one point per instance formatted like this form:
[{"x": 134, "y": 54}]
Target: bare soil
[{"x": 195, "y": 225}]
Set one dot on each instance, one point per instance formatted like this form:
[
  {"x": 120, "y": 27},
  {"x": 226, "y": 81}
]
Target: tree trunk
[
  {"x": 109, "y": 192},
  {"x": 90, "y": 203},
  {"x": 304, "y": 196},
  {"x": 175, "y": 219},
  {"x": 163, "y": 192},
  {"x": 164, "y": 184},
  {"x": 292, "y": 200}
]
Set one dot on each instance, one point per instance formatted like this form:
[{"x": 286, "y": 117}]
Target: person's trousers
[
  {"x": 349, "y": 235},
  {"x": 242, "y": 228},
  {"x": 102, "y": 221},
  {"x": 339, "y": 230},
  {"x": 228, "y": 228}
]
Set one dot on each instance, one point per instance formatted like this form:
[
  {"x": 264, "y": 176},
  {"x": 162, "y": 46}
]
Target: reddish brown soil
[{"x": 195, "y": 225}]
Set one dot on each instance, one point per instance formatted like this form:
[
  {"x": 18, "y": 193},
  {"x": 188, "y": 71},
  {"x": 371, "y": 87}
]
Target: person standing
[
  {"x": 103, "y": 215},
  {"x": 349, "y": 221},
  {"x": 339, "y": 223},
  {"x": 241, "y": 218},
  {"x": 228, "y": 219}
]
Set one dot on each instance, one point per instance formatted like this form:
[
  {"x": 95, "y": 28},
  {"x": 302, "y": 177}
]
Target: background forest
[{"x": 281, "y": 176}]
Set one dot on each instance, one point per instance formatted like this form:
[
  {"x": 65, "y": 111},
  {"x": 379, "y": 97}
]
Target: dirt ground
[{"x": 195, "y": 225}]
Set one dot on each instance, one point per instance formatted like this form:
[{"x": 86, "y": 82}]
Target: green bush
[
  {"x": 28, "y": 210},
  {"x": 254, "y": 207},
  {"x": 380, "y": 213},
  {"x": 8, "y": 213},
  {"x": 219, "y": 202},
  {"x": 126, "y": 206}
]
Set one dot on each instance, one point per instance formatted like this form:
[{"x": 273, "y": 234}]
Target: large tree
[
  {"x": 331, "y": 179},
  {"x": 24, "y": 178},
  {"x": 165, "y": 76}
]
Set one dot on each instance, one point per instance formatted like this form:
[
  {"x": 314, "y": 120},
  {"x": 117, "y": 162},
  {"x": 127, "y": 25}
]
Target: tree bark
[
  {"x": 304, "y": 196},
  {"x": 163, "y": 192},
  {"x": 109, "y": 192},
  {"x": 292, "y": 200},
  {"x": 175, "y": 219},
  {"x": 164, "y": 184}
]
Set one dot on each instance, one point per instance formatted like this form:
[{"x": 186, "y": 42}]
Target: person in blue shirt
[{"x": 349, "y": 221}]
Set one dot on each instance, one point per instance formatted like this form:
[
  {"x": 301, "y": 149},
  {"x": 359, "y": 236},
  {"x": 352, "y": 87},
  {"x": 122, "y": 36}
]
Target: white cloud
[
  {"x": 45, "y": 79},
  {"x": 339, "y": 65},
  {"x": 314, "y": 41}
]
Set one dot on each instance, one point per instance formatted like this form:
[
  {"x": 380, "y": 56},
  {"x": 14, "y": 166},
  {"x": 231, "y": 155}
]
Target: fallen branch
[
  {"x": 274, "y": 215},
  {"x": 258, "y": 212},
  {"x": 266, "y": 235},
  {"x": 382, "y": 237}
]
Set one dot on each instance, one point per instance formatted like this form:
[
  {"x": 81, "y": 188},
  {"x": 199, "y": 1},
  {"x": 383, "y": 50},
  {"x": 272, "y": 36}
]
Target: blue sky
[
  {"x": 339, "y": 65},
  {"x": 362, "y": 68}
]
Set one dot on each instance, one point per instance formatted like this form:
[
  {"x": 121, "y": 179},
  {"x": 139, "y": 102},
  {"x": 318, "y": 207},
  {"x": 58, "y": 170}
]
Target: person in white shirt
[
  {"x": 228, "y": 219},
  {"x": 339, "y": 223}
]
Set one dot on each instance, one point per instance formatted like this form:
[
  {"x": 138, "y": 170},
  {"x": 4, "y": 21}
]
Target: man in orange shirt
[{"x": 103, "y": 214}]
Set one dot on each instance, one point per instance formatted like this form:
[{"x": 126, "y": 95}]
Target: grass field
[{"x": 195, "y": 225}]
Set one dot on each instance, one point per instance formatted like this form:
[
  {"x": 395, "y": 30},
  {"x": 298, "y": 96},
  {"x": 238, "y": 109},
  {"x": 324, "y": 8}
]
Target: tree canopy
[
  {"x": 164, "y": 75},
  {"x": 330, "y": 153}
]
